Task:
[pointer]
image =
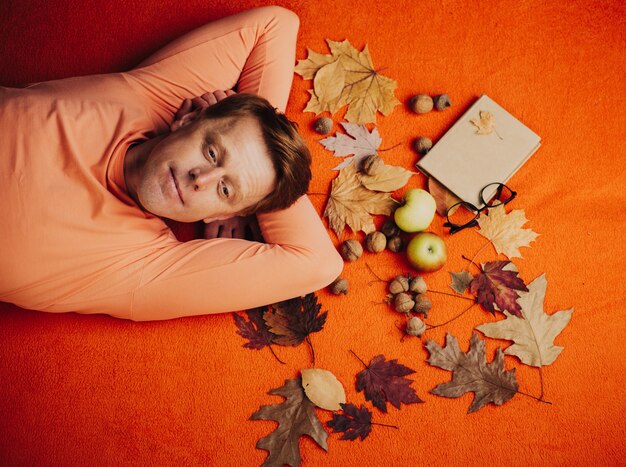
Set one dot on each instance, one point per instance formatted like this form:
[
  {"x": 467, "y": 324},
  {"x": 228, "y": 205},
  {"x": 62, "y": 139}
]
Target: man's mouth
[{"x": 180, "y": 195}]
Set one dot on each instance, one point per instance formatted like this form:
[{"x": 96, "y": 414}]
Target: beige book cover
[{"x": 465, "y": 161}]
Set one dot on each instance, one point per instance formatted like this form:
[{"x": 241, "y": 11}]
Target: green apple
[
  {"x": 427, "y": 252},
  {"x": 417, "y": 210}
]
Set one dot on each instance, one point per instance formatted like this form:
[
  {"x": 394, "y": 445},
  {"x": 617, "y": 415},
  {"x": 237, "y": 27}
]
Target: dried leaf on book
[
  {"x": 533, "y": 335},
  {"x": 347, "y": 76},
  {"x": 352, "y": 204},
  {"x": 505, "y": 230},
  {"x": 496, "y": 286},
  {"x": 489, "y": 382},
  {"x": 486, "y": 123},
  {"x": 296, "y": 417}
]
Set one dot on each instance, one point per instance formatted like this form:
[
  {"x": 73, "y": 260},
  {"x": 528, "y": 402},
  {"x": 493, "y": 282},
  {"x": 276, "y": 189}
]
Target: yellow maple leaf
[
  {"x": 353, "y": 204},
  {"x": 363, "y": 89},
  {"x": 505, "y": 230},
  {"x": 485, "y": 124}
]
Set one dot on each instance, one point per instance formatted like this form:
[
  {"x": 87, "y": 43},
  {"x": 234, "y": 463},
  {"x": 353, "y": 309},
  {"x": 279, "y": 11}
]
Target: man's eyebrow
[{"x": 224, "y": 155}]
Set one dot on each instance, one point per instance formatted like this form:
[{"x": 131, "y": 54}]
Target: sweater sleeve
[{"x": 223, "y": 275}]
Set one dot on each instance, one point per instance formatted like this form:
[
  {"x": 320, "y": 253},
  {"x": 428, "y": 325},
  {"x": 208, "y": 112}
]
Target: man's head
[{"x": 237, "y": 157}]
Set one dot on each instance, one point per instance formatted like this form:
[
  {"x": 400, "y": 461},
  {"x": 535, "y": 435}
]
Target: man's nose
[{"x": 205, "y": 178}]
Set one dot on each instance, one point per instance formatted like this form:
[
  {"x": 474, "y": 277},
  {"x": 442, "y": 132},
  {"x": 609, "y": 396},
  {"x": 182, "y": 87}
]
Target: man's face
[{"x": 209, "y": 169}]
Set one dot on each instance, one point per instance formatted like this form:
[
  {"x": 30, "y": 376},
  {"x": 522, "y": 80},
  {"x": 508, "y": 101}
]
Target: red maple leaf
[
  {"x": 354, "y": 422},
  {"x": 293, "y": 320},
  {"x": 255, "y": 330},
  {"x": 384, "y": 381},
  {"x": 496, "y": 285}
]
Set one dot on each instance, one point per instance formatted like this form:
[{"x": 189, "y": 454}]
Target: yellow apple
[
  {"x": 417, "y": 210},
  {"x": 427, "y": 252}
]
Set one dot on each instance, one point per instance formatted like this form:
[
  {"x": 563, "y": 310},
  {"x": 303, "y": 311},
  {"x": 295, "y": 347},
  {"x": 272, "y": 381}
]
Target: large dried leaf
[
  {"x": 534, "y": 335},
  {"x": 496, "y": 285},
  {"x": 291, "y": 321},
  {"x": 323, "y": 388},
  {"x": 444, "y": 198},
  {"x": 505, "y": 230},
  {"x": 364, "y": 90},
  {"x": 296, "y": 417},
  {"x": 489, "y": 382},
  {"x": 361, "y": 143},
  {"x": 384, "y": 381},
  {"x": 255, "y": 330},
  {"x": 388, "y": 178},
  {"x": 354, "y": 422},
  {"x": 353, "y": 204}
]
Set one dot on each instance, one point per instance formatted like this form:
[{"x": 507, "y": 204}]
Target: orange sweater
[{"x": 73, "y": 240}]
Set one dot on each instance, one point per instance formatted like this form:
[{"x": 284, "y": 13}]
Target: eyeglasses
[{"x": 459, "y": 219}]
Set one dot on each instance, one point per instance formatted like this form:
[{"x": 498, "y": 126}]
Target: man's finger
[
  {"x": 199, "y": 103},
  {"x": 230, "y": 92},
  {"x": 184, "y": 108},
  {"x": 219, "y": 95},
  {"x": 211, "y": 230},
  {"x": 209, "y": 98}
]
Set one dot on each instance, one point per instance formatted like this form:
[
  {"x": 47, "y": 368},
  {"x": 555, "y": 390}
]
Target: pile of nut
[
  {"x": 408, "y": 294},
  {"x": 421, "y": 104}
]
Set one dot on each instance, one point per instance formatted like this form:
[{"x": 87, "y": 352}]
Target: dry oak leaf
[
  {"x": 296, "y": 417},
  {"x": 388, "y": 178},
  {"x": 323, "y": 388},
  {"x": 460, "y": 281},
  {"x": 497, "y": 286},
  {"x": 354, "y": 422},
  {"x": 384, "y": 381},
  {"x": 291, "y": 321},
  {"x": 361, "y": 143},
  {"x": 353, "y": 204},
  {"x": 534, "y": 335},
  {"x": 505, "y": 230},
  {"x": 485, "y": 124},
  {"x": 444, "y": 198},
  {"x": 364, "y": 90},
  {"x": 489, "y": 382}
]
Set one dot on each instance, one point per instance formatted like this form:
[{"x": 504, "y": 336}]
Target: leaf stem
[
  {"x": 364, "y": 364},
  {"x": 472, "y": 262},
  {"x": 392, "y": 147},
  {"x": 384, "y": 424},
  {"x": 274, "y": 354},
  {"x": 308, "y": 341},
  {"x": 476, "y": 254},
  {"x": 450, "y": 320},
  {"x": 541, "y": 381},
  {"x": 534, "y": 397},
  {"x": 451, "y": 294},
  {"x": 375, "y": 275}
]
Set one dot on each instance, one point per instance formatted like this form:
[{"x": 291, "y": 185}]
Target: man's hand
[
  {"x": 190, "y": 108},
  {"x": 235, "y": 227}
]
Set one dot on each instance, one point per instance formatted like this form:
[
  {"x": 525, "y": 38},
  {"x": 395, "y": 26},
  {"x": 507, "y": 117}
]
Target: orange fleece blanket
[{"x": 94, "y": 390}]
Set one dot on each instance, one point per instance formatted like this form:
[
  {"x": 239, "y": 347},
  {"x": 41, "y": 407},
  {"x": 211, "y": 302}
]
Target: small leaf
[
  {"x": 383, "y": 381},
  {"x": 360, "y": 142},
  {"x": 534, "y": 335},
  {"x": 485, "y": 123},
  {"x": 489, "y": 382},
  {"x": 388, "y": 178},
  {"x": 505, "y": 230},
  {"x": 291, "y": 321},
  {"x": 354, "y": 422},
  {"x": 323, "y": 388},
  {"x": 497, "y": 285},
  {"x": 460, "y": 281},
  {"x": 255, "y": 330}
]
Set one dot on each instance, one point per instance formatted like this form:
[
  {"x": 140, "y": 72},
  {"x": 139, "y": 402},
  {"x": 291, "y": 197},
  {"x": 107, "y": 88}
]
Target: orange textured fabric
[{"x": 94, "y": 390}]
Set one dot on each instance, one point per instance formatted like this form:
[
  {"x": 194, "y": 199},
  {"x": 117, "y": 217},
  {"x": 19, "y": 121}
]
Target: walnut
[
  {"x": 399, "y": 284},
  {"x": 323, "y": 125},
  {"x": 339, "y": 286},
  {"x": 351, "y": 250},
  {"x": 372, "y": 164},
  {"x": 390, "y": 228},
  {"x": 418, "y": 285},
  {"x": 422, "y": 144},
  {"x": 375, "y": 242},
  {"x": 422, "y": 304},
  {"x": 421, "y": 103},
  {"x": 403, "y": 303},
  {"x": 442, "y": 101},
  {"x": 395, "y": 243}
]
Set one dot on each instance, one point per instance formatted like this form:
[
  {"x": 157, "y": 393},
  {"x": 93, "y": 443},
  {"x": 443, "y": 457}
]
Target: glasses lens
[
  {"x": 462, "y": 214},
  {"x": 496, "y": 194}
]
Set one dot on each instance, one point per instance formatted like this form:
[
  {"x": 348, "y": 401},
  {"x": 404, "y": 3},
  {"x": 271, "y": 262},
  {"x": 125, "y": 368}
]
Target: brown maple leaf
[
  {"x": 354, "y": 422},
  {"x": 296, "y": 417},
  {"x": 460, "y": 281},
  {"x": 353, "y": 204},
  {"x": 534, "y": 334},
  {"x": 497, "y": 286},
  {"x": 489, "y": 382},
  {"x": 505, "y": 230},
  {"x": 384, "y": 381}
]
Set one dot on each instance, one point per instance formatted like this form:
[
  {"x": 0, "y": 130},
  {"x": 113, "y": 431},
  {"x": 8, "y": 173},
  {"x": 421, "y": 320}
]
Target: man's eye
[
  {"x": 225, "y": 190},
  {"x": 212, "y": 155}
]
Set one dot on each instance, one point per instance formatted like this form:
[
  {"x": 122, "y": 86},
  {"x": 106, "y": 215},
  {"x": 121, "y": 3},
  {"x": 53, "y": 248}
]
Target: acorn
[
  {"x": 375, "y": 242},
  {"x": 395, "y": 243},
  {"x": 390, "y": 228},
  {"x": 351, "y": 250},
  {"x": 372, "y": 164},
  {"x": 323, "y": 125},
  {"x": 399, "y": 284},
  {"x": 421, "y": 103},
  {"x": 339, "y": 286},
  {"x": 442, "y": 101},
  {"x": 403, "y": 303},
  {"x": 415, "y": 327},
  {"x": 418, "y": 285},
  {"x": 422, "y": 304},
  {"x": 422, "y": 144}
]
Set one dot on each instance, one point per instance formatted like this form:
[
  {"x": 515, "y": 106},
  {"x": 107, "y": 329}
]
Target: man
[{"x": 89, "y": 169}]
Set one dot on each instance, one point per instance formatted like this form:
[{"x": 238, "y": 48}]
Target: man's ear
[{"x": 185, "y": 120}]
